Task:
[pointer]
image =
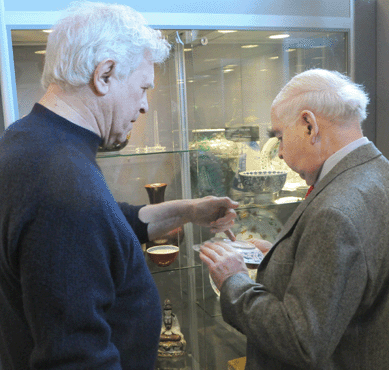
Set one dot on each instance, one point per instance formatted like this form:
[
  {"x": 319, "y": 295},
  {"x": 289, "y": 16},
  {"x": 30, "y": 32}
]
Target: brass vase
[{"x": 156, "y": 193}]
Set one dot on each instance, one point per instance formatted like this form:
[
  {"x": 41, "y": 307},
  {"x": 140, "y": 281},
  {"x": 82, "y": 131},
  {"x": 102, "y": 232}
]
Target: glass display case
[{"x": 207, "y": 123}]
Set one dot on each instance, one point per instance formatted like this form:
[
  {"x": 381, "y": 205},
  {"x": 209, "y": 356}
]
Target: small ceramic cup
[{"x": 163, "y": 255}]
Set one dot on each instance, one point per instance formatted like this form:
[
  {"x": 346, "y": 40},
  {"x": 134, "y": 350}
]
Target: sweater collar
[{"x": 85, "y": 137}]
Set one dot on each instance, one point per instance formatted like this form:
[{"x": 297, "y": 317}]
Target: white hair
[
  {"x": 92, "y": 32},
  {"x": 328, "y": 93}
]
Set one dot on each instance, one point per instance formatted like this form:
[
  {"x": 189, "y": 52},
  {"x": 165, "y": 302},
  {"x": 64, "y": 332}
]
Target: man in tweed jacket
[{"x": 321, "y": 297}]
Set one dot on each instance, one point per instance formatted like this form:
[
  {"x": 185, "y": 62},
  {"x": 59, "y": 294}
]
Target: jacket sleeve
[{"x": 310, "y": 291}]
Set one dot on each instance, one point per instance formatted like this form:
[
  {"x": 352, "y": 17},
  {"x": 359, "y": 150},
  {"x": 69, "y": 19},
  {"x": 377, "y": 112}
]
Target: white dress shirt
[{"x": 335, "y": 158}]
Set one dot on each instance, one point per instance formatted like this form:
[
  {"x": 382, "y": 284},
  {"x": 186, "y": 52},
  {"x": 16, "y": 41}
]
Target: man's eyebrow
[{"x": 272, "y": 133}]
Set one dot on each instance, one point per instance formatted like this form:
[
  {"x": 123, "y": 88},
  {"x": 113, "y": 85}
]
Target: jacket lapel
[{"x": 357, "y": 157}]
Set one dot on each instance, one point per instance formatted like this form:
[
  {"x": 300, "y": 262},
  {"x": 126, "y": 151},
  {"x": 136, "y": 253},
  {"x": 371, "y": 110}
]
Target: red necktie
[{"x": 309, "y": 191}]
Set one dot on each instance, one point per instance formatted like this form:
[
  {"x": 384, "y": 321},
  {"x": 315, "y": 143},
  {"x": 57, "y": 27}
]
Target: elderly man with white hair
[
  {"x": 321, "y": 295},
  {"x": 75, "y": 289}
]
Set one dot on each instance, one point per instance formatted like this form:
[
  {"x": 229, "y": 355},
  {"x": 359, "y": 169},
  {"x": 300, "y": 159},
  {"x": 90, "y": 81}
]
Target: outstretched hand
[
  {"x": 222, "y": 261},
  {"x": 216, "y": 213}
]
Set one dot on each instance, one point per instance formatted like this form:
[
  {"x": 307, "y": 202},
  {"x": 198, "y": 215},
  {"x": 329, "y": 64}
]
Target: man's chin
[{"x": 113, "y": 147}]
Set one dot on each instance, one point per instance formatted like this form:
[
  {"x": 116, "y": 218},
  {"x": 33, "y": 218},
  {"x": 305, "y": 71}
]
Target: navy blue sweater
[{"x": 75, "y": 290}]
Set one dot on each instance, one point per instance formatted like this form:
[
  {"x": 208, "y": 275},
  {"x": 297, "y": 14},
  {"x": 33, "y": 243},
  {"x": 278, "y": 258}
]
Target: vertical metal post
[
  {"x": 5, "y": 72},
  {"x": 351, "y": 43},
  {"x": 187, "y": 194},
  {"x": 285, "y": 63}
]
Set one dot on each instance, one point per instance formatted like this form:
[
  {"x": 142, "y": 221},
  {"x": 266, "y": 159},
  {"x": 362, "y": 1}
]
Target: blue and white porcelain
[{"x": 263, "y": 181}]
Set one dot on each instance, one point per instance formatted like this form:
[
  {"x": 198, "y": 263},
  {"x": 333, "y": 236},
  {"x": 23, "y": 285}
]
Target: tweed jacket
[{"x": 321, "y": 299}]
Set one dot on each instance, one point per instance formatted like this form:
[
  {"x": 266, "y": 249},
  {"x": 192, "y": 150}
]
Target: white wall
[{"x": 383, "y": 76}]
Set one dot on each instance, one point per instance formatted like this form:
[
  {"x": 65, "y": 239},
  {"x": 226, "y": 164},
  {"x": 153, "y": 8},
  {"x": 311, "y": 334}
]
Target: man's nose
[{"x": 144, "y": 107}]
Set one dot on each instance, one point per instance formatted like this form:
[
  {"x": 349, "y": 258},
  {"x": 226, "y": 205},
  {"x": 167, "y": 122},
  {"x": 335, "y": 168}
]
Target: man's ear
[
  {"x": 308, "y": 119},
  {"x": 101, "y": 77}
]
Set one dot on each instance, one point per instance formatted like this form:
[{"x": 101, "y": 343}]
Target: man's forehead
[{"x": 276, "y": 126}]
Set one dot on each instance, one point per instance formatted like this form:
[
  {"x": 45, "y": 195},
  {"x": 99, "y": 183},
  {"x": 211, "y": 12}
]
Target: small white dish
[{"x": 252, "y": 256}]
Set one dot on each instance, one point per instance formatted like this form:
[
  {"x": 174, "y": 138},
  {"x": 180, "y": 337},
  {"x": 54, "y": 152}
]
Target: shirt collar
[{"x": 335, "y": 158}]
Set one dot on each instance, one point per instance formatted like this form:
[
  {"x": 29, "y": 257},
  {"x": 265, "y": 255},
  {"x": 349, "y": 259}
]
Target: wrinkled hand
[
  {"x": 216, "y": 213},
  {"x": 222, "y": 261},
  {"x": 263, "y": 245}
]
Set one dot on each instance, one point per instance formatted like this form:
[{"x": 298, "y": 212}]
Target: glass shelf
[
  {"x": 123, "y": 153},
  {"x": 285, "y": 197}
]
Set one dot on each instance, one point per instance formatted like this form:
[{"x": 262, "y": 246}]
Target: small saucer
[{"x": 251, "y": 254}]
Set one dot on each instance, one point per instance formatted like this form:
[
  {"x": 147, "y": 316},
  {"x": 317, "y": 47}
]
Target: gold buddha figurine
[{"x": 172, "y": 342}]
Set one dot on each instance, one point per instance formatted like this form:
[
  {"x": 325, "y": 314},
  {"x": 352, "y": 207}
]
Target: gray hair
[
  {"x": 328, "y": 93},
  {"x": 92, "y": 32}
]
